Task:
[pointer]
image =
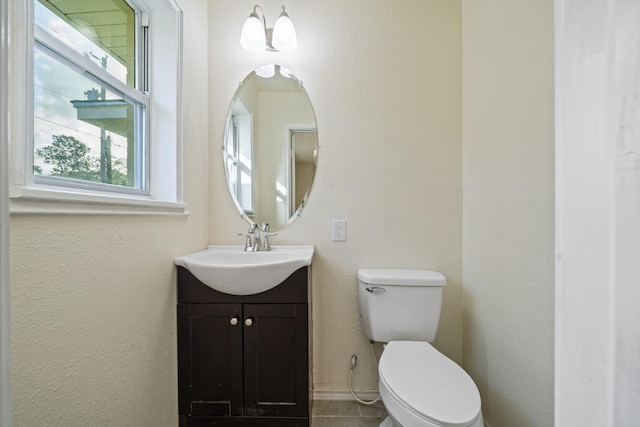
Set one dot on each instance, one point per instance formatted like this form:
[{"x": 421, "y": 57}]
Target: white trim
[
  {"x": 27, "y": 200},
  {"x": 289, "y": 162},
  {"x": 165, "y": 115},
  {"x": 344, "y": 395},
  {"x": 335, "y": 395},
  {"x": 165, "y": 155},
  {"x": 597, "y": 330},
  {"x": 6, "y": 409},
  {"x": 20, "y": 89},
  {"x": 86, "y": 65},
  {"x": 179, "y": 17}
]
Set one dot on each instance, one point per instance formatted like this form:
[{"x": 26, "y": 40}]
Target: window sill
[{"x": 41, "y": 201}]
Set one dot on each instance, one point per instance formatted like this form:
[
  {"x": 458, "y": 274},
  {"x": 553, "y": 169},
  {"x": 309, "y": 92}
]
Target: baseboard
[
  {"x": 346, "y": 395},
  {"x": 343, "y": 395}
]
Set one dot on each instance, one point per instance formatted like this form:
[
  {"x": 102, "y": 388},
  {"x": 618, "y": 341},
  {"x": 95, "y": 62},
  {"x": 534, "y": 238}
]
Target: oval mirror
[{"x": 270, "y": 149}]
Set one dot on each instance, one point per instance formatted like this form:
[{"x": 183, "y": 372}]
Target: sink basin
[{"x": 231, "y": 270}]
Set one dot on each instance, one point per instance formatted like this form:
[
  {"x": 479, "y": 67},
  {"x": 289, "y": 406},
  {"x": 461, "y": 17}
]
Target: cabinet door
[
  {"x": 210, "y": 359},
  {"x": 276, "y": 367}
]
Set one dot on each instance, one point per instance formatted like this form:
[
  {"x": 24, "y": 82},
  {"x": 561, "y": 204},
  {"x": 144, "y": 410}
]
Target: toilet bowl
[{"x": 421, "y": 387}]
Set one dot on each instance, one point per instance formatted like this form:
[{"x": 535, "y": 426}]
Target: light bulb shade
[
  {"x": 253, "y": 37},
  {"x": 286, "y": 73},
  {"x": 284, "y": 34},
  {"x": 266, "y": 71}
]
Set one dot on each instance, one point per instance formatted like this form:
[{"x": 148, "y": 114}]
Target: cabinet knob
[
  {"x": 248, "y": 321},
  {"x": 233, "y": 321}
]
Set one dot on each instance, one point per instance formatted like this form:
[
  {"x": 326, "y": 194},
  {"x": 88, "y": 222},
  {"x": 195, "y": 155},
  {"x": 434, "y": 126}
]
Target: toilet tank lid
[{"x": 390, "y": 277}]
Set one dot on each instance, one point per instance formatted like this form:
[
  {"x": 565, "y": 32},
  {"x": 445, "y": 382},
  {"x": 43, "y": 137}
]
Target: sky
[{"x": 56, "y": 84}]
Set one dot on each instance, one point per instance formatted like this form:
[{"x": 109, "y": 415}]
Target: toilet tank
[{"x": 400, "y": 305}]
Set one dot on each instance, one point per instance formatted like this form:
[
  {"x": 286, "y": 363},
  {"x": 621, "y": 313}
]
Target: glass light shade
[
  {"x": 266, "y": 71},
  {"x": 284, "y": 34},
  {"x": 286, "y": 73},
  {"x": 253, "y": 37}
]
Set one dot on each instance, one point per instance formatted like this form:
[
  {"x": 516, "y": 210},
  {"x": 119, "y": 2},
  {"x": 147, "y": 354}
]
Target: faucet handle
[
  {"x": 253, "y": 228},
  {"x": 265, "y": 227},
  {"x": 267, "y": 243},
  {"x": 248, "y": 246}
]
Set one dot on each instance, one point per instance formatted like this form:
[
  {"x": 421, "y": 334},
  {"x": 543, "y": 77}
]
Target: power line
[
  {"x": 78, "y": 131},
  {"x": 56, "y": 92},
  {"x": 65, "y": 126}
]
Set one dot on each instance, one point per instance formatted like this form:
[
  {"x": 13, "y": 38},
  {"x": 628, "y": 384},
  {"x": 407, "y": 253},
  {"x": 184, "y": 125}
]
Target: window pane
[
  {"x": 82, "y": 128},
  {"x": 239, "y": 153},
  {"x": 102, "y": 30}
]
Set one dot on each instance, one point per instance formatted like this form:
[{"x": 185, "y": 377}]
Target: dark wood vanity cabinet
[{"x": 243, "y": 360}]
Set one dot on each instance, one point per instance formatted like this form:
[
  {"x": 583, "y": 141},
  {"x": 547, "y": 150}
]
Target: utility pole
[{"x": 106, "y": 174}]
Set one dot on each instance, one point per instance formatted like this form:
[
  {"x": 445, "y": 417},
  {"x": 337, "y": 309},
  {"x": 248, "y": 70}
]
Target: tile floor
[{"x": 330, "y": 413}]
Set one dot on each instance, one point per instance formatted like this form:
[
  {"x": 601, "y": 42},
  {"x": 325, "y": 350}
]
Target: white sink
[{"x": 231, "y": 270}]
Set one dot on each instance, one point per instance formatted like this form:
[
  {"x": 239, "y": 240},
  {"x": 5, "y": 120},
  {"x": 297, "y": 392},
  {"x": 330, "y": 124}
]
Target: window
[
  {"x": 88, "y": 115},
  {"x": 238, "y": 152},
  {"x": 103, "y": 126}
]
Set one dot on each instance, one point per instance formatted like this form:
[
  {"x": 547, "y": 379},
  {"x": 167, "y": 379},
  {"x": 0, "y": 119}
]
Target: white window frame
[
  {"x": 240, "y": 126},
  {"x": 38, "y": 195},
  {"x": 6, "y": 408},
  {"x": 64, "y": 54}
]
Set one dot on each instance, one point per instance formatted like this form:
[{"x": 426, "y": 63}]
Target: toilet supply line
[{"x": 354, "y": 362}]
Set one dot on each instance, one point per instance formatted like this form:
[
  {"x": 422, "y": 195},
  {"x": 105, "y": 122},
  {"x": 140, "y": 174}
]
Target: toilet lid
[
  {"x": 429, "y": 383},
  {"x": 396, "y": 277}
]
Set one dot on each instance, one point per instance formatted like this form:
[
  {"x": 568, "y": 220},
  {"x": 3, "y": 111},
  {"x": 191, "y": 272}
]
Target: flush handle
[
  {"x": 233, "y": 321},
  {"x": 375, "y": 289},
  {"x": 248, "y": 321}
]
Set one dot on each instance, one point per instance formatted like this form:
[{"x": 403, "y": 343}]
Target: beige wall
[
  {"x": 94, "y": 316},
  {"x": 93, "y": 297},
  {"x": 384, "y": 80},
  {"x": 508, "y": 208},
  {"x": 272, "y": 150}
]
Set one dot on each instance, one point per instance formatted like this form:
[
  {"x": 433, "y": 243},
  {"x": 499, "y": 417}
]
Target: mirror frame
[{"x": 291, "y": 126}]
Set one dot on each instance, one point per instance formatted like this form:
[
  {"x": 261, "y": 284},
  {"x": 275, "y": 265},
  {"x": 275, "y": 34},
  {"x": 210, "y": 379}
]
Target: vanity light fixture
[
  {"x": 256, "y": 37},
  {"x": 268, "y": 71}
]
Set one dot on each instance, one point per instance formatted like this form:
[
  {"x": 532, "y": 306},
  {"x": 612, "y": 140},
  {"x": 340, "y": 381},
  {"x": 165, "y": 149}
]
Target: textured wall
[
  {"x": 509, "y": 208},
  {"x": 384, "y": 80},
  {"x": 93, "y": 297}
]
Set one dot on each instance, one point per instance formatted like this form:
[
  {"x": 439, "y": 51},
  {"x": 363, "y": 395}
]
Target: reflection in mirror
[{"x": 270, "y": 147}]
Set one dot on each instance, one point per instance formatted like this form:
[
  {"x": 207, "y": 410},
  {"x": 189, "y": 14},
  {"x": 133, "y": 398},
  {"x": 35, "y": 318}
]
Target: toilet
[{"x": 419, "y": 386}]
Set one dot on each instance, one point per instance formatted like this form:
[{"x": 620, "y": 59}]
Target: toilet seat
[{"x": 421, "y": 380}]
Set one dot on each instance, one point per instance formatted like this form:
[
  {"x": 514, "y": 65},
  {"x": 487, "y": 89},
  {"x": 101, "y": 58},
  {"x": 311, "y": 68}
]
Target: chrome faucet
[
  {"x": 252, "y": 242},
  {"x": 248, "y": 244},
  {"x": 266, "y": 246},
  {"x": 256, "y": 243}
]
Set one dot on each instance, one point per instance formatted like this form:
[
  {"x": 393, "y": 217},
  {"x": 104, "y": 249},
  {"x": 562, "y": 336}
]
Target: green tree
[
  {"x": 119, "y": 173},
  {"x": 70, "y": 158}
]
